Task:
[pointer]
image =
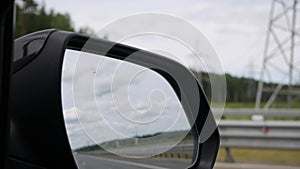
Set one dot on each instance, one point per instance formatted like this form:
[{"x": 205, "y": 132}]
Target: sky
[{"x": 236, "y": 29}]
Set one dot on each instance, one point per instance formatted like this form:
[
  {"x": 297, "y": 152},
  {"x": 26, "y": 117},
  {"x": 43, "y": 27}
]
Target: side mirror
[{"x": 81, "y": 103}]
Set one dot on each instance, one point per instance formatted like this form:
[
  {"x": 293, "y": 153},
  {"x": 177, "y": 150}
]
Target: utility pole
[{"x": 279, "y": 53}]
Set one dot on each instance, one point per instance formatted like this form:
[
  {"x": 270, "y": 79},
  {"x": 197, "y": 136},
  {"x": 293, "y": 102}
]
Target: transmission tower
[{"x": 281, "y": 53}]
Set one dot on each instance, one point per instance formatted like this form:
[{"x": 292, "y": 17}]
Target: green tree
[
  {"x": 31, "y": 17},
  {"x": 86, "y": 30}
]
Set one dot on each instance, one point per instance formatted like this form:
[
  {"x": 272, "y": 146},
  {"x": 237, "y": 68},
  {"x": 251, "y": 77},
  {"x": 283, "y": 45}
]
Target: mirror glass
[{"x": 122, "y": 115}]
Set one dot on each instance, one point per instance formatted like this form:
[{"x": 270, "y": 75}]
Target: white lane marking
[{"x": 128, "y": 162}]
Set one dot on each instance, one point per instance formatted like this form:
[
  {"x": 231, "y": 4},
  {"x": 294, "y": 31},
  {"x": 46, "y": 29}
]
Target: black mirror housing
[{"x": 38, "y": 135}]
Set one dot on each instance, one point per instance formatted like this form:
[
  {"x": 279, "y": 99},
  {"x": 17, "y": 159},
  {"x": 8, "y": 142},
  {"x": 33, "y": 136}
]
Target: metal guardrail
[
  {"x": 260, "y": 134},
  {"x": 287, "y": 113},
  {"x": 283, "y": 134}
]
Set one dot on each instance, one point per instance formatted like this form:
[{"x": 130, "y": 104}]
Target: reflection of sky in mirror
[{"x": 106, "y": 99}]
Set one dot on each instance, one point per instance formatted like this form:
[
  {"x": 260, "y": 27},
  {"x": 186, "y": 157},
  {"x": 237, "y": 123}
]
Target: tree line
[
  {"x": 242, "y": 89},
  {"x": 32, "y": 16}
]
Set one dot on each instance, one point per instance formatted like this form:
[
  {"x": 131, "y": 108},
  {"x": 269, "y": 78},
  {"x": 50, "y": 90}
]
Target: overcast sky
[{"x": 237, "y": 29}]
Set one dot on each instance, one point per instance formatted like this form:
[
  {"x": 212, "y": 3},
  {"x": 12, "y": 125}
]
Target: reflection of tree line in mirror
[{"x": 132, "y": 142}]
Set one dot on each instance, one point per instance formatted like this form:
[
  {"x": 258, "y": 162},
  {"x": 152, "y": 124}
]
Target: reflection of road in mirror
[
  {"x": 178, "y": 157},
  {"x": 94, "y": 162},
  {"x": 114, "y": 109}
]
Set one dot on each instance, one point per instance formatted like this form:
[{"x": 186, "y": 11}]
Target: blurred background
[{"x": 258, "y": 45}]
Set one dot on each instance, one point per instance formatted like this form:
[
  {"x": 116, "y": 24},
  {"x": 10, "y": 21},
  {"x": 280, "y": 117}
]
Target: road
[{"x": 96, "y": 162}]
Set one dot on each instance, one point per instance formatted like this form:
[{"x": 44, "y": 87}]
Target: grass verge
[{"x": 263, "y": 156}]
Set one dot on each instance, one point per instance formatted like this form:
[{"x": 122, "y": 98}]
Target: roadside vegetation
[
  {"x": 32, "y": 16},
  {"x": 262, "y": 156}
]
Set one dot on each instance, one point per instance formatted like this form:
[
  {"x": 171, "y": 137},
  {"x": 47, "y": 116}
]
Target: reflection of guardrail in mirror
[
  {"x": 280, "y": 130},
  {"x": 180, "y": 151}
]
